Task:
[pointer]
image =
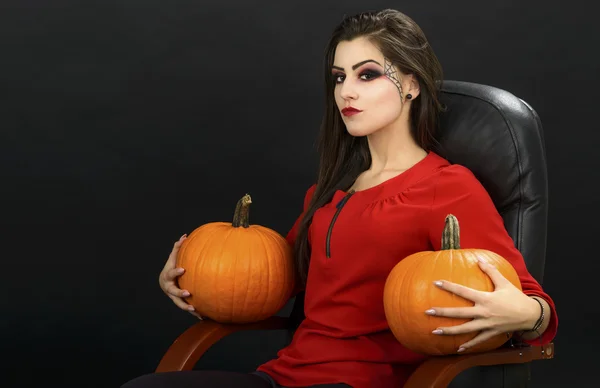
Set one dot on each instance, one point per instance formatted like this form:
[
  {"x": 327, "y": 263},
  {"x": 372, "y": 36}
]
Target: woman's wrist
[
  {"x": 540, "y": 316},
  {"x": 531, "y": 314},
  {"x": 534, "y": 324}
]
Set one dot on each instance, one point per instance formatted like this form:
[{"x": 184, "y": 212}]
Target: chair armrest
[
  {"x": 438, "y": 372},
  {"x": 187, "y": 349}
]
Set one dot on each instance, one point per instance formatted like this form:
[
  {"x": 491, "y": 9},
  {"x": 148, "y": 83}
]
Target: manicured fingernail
[
  {"x": 430, "y": 312},
  {"x": 438, "y": 283},
  {"x": 437, "y": 331},
  {"x": 481, "y": 260},
  {"x": 461, "y": 349},
  {"x": 186, "y": 293},
  {"x": 191, "y": 308},
  {"x": 180, "y": 270}
]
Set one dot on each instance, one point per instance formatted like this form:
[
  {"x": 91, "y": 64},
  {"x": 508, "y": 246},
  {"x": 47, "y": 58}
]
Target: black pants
[{"x": 210, "y": 379}]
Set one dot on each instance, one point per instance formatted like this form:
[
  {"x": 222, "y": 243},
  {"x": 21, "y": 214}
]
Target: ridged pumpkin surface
[
  {"x": 409, "y": 291},
  {"x": 236, "y": 272}
]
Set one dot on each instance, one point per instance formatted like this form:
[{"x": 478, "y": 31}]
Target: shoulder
[
  {"x": 456, "y": 175},
  {"x": 436, "y": 171},
  {"x": 455, "y": 182},
  {"x": 309, "y": 194}
]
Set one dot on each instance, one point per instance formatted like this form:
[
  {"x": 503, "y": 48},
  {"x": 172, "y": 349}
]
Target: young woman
[{"x": 382, "y": 193}]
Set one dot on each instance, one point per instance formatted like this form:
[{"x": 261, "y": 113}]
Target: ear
[{"x": 412, "y": 86}]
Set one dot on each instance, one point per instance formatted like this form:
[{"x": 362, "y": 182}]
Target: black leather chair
[{"x": 499, "y": 137}]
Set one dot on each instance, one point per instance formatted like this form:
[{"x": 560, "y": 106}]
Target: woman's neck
[{"x": 394, "y": 149}]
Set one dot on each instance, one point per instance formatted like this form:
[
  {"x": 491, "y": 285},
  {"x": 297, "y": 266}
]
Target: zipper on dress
[{"x": 339, "y": 207}]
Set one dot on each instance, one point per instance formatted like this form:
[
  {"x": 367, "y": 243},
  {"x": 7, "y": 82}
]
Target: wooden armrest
[
  {"x": 187, "y": 349},
  {"x": 438, "y": 372}
]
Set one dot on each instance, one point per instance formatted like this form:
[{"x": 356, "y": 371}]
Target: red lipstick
[{"x": 350, "y": 111}]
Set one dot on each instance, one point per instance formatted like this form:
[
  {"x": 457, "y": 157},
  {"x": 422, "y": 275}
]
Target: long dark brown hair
[{"x": 342, "y": 156}]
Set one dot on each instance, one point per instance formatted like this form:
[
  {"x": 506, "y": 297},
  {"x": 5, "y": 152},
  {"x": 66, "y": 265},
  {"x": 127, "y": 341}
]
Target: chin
[{"x": 360, "y": 131}]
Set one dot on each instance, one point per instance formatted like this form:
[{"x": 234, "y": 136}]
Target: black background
[{"x": 124, "y": 124}]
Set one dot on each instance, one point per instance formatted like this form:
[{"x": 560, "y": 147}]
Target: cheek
[
  {"x": 338, "y": 97},
  {"x": 387, "y": 92},
  {"x": 387, "y": 101}
]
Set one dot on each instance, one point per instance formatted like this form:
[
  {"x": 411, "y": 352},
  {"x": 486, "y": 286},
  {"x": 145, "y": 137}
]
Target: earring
[{"x": 408, "y": 96}]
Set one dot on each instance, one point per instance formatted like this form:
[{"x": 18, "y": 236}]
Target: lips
[{"x": 350, "y": 111}]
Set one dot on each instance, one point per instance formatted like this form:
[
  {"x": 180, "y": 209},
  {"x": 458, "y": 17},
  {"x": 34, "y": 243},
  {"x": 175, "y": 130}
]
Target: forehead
[{"x": 348, "y": 53}]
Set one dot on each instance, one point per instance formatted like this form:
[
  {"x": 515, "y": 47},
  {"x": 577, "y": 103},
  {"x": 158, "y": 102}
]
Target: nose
[{"x": 348, "y": 90}]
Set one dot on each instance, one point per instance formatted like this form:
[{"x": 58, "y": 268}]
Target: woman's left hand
[{"x": 506, "y": 309}]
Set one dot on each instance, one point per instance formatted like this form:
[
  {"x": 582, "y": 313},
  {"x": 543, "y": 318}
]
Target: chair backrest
[{"x": 499, "y": 138}]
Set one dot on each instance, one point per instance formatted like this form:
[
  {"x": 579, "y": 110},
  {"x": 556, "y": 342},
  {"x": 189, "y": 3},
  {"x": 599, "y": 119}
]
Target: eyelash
[{"x": 371, "y": 73}]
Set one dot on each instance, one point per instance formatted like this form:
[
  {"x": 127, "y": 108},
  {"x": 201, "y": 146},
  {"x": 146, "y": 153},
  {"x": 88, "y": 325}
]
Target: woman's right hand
[{"x": 167, "y": 280}]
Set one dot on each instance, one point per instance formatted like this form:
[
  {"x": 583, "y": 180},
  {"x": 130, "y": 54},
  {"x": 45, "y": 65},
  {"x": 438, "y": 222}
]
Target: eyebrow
[{"x": 357, "y": 65}]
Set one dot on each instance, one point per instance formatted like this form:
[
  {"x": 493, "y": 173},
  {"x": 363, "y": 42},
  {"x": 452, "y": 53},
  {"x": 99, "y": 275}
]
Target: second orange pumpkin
[{"x": 409, "y": 292}]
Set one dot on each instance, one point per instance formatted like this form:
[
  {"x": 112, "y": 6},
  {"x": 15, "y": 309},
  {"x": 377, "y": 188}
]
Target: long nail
[
  {"x": 461, "y": 349},
  {"x": 437, "y": 332},
  {"x": 430, "y": 312}
]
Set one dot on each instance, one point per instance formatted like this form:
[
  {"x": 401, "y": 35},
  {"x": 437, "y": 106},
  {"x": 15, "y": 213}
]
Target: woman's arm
[
  {"x": 458, "y": 192},
  {"x": 291, "y": 235}
]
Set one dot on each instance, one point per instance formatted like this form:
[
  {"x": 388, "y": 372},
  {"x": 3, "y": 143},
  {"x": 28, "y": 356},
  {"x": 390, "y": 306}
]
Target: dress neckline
[{"x": 395, "y": 184}]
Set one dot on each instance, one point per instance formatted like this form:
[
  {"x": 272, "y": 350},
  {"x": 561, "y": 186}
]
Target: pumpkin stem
[
  {"x": 241, "y": 217},
  {"x": 451, "y": 234}
]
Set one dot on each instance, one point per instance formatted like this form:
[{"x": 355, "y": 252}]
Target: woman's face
[{"x": 366, "y": 81}]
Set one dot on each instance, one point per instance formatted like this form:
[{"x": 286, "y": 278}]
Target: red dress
[{"x": 345, "y": 337}]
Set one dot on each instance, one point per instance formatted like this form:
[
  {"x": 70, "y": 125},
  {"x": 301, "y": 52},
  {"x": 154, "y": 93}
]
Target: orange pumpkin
[
  {"x": 236, "y": 272},
  {"x": 409, "y": 291}
]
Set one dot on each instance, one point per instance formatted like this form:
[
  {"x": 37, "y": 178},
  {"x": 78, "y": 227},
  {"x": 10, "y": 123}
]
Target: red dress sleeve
[
  {"x": 293, "y": 232},
  {"x": 291, "y": 236},
  {"x": 459, "y": 192}
]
